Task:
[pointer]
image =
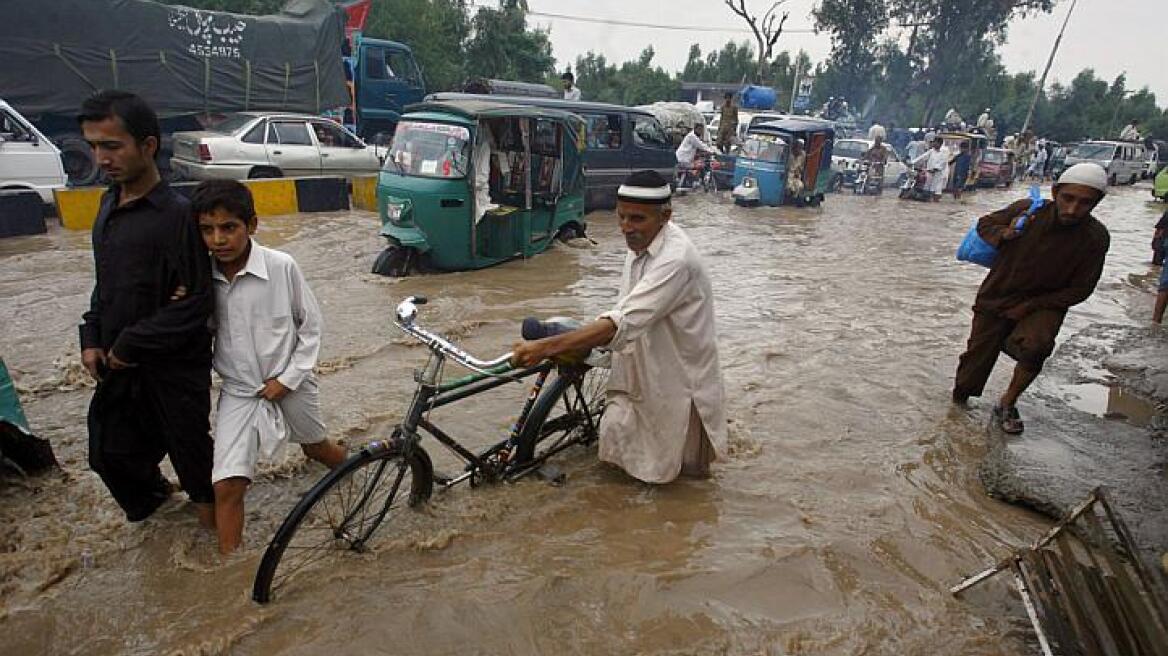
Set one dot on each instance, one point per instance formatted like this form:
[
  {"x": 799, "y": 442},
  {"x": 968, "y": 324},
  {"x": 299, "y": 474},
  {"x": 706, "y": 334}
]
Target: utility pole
[
  {"x": 794, "y": 87},
  {"x": 1049, "y": 61}
]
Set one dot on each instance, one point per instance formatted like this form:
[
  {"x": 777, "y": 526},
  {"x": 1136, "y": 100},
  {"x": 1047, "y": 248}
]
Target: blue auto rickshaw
[{"x": 761, "y": 170}]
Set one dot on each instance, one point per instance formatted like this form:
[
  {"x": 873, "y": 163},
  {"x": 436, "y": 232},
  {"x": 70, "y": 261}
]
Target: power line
[
  {"x": 655, "y": 26},
  {"x": 652, "y": 26}
]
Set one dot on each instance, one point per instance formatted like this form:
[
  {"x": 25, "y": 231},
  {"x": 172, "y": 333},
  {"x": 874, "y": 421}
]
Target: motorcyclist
[
  {"x": 877, "y": 158},
  {"x": 690, "y": 146}
]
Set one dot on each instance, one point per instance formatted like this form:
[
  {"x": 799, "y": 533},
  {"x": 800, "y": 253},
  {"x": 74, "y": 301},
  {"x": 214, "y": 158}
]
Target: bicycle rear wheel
[
  {"x": 567, "y": 412},
  {"x": 342, "y": 511}
]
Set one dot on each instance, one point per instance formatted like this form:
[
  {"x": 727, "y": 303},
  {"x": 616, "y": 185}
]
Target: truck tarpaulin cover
[{"x": 182, "y": 60}]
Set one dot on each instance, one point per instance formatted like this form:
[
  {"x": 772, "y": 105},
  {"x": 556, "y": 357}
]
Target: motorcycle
[
  {"x": 698, "y": 175},
  {"x": 869, "y": 179},
  {"x": 915, "y": 186}
]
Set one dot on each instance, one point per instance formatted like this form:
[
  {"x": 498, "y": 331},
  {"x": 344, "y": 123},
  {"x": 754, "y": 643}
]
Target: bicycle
[{"x": 345, "y": 508}]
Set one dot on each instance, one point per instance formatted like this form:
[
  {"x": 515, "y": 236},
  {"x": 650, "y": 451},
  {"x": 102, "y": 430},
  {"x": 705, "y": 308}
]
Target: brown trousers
[{"x": 1029, "y": 342}]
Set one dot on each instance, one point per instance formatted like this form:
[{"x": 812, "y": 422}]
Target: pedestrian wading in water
[
  {"x": 657, "y": 425},
  {"x": 267, "y": 338},
  {"x": 1053, "y": 263},
  {"x": 144, "y": 337}
]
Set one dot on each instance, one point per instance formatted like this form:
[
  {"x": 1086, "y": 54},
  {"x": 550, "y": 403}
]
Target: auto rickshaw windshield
[
  {"x": 429, "y": 150},
  {"x": 765, "y": 148}
]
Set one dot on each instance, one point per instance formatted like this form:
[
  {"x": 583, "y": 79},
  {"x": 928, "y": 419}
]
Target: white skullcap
[
  {"x": 1088, "y": 174},
  {"x": 645, "y": 187}
]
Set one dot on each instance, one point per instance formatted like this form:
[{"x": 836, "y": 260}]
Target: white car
[
  {"x": 845, "y": 160},
  {"x": 28, "y": 160},
  {"x": 262, "y": 145}
]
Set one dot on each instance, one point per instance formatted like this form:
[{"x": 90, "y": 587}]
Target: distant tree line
[{"x": 902, "y": 62}]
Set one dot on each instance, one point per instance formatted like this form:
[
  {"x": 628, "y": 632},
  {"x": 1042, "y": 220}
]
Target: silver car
[{"x": 262, "y": 145}]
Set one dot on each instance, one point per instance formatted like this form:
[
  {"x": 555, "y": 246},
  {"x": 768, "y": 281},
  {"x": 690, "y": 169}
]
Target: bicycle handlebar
[{"x": 406, "y": 315}]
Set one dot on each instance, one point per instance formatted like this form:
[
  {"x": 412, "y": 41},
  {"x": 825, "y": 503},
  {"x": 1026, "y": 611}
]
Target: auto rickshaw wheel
[
  {"x": 394, "y": 261},
  {"x": 570, "y": 231}
]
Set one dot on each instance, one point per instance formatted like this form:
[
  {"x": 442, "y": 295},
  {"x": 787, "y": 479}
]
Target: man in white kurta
[
  {"x": 665, "y": 412},
  {"x": 936, "y": 163}
]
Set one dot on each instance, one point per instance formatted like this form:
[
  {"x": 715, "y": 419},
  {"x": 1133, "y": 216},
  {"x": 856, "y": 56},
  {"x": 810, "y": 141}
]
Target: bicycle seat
[{"x": 535, "y": 329}]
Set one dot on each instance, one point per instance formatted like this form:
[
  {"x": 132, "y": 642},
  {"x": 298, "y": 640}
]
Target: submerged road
[{"x": 848, "y": 504}]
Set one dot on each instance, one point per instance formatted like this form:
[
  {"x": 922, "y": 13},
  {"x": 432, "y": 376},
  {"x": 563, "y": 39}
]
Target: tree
[
  {"x": 502, "y": 46},
  {"x": 766, "y": 33},
  {"x": 949, "y": 43},
  {"x": 444, "y": 23},
  {"x": 854, "y": 26},
  {"x": 733, "y": 64},
  {"x": 633, "y": 83}
]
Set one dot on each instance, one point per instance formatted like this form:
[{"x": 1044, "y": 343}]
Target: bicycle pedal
[{"x": 552, "y": 474}]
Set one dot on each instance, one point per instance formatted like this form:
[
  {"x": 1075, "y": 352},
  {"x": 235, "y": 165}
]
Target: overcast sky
[{"x": 1110, "y": 36}]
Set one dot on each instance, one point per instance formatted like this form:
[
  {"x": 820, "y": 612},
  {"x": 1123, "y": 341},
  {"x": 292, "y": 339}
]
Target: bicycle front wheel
[
  {"x": 567, "y": 412},
  {"x": 342, "y": 511}
]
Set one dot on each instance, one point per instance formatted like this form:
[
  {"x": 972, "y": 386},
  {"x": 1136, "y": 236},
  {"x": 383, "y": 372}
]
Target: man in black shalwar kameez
[{"x": 145, "y": 337}]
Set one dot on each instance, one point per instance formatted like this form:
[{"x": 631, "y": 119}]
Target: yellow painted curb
[
  {"x": 274, "y": 197},
  {"x": 78, "y": 207},
  {"x": 365, "y": 193}
]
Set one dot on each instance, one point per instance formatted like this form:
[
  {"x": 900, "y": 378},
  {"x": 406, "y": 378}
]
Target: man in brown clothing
[
  {"x": 727, "y": 124},
  {"x": 1054, "y": 262}
]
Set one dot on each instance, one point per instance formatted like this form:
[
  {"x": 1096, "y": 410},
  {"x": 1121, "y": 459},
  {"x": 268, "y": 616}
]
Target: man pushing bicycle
[{"x": 665, "y": 413}]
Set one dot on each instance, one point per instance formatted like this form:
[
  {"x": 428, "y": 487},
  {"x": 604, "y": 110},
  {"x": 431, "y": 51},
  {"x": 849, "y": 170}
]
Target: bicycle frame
[
  {"x": 432, "y": 394},
  {"x": 488, "y": 374}
]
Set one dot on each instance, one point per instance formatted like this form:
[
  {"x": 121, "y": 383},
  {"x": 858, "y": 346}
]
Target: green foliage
[
  {"x": 443, "y": 25},
  {"x": 734, "y": 63},
  {"x": 633, "y": 83},
  {"x": 502, "y": 47}
]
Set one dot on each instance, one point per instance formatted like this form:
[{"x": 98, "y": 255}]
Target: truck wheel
[
  {"x": 77, "y": 159},
  {"x": 263, "y": 172}
]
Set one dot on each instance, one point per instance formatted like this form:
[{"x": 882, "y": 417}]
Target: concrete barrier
[
  {"x": 21, "y": 213},
  {"x": 78, "y": 207},
  {"x": 273, "y": 197},
  {"x": 322, "y": 194},
  {"x": 365, "y": 192}
]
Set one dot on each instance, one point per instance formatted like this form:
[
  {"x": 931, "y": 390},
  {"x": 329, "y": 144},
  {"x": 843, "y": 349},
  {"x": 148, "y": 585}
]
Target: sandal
[{"x": 1008, "y": 419}]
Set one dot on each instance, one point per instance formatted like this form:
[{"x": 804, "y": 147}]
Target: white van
[
  {"x": 1124, "y": 161},
  {"x": 28, "y": 160}
]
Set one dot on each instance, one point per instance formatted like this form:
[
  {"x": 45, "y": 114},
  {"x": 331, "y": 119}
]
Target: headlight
[{"x": 393, "y": 211}]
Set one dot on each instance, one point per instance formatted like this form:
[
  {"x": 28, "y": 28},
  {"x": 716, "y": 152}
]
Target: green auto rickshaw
[
  {"x": 19, "y": 448},
  {"x": 471, "y": 183}
]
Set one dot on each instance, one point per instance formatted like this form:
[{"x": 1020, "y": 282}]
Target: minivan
[
  {"x": 28, "y": 160},
  {"x": 1124, "y": 161},
  {"x": 618, "y": 141}
]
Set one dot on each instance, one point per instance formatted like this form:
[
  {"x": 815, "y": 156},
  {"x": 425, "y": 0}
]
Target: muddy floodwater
[{"x": 846, "y": 507}]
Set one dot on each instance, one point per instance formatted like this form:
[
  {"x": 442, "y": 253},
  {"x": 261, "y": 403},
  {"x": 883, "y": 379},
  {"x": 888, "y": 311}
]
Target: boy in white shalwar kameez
[{"x": 267, "y": 340}]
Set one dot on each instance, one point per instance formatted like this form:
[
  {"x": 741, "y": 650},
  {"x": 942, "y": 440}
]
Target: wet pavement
[{"x": 849, "y": 502}]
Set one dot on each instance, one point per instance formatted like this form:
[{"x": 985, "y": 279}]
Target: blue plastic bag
[{"x": 978, "y": 251}]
